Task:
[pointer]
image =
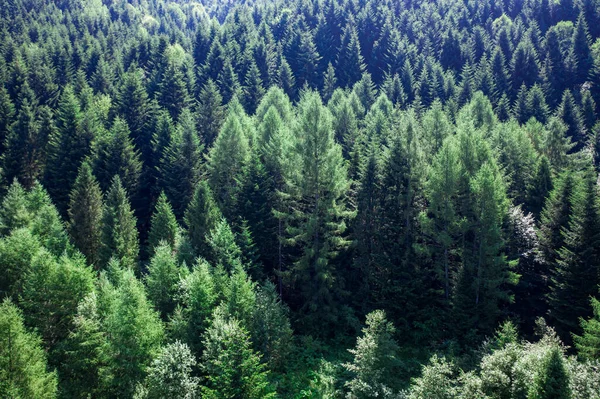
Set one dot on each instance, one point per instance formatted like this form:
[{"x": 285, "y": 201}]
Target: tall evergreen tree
[
  {"x": 317, "y": 224},
  {"x": 588, "y": 343},
  {"x": 119, "y": 237},
  {"x": 581, "y": 50},
  {"x": 201, "y": 217},
  {"x": 350, "y": 63},
  {"x": 163, "y": 226},
  {"x": 85, "y": 214},
  {"x": 22, "y": 359},
  {"x": 211, "y": 113}
]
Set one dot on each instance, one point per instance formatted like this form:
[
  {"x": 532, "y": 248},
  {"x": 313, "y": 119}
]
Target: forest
[{"x": 325, "y": 199}]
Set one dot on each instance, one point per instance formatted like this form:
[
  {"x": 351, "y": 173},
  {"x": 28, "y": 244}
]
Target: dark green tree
[
  {"x": 201, "y": 217},
  {"x": 163, "y": 226},
  {"x": 210, "y": 114}
]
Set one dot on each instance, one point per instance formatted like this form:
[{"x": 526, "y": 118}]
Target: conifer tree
[
  {"x": 135, "y": 108},
  {"x": 581, "y": 50},
  {"x": 569, "y": 113},
  {"x": 22, "y": 157},
  {"x": 162, "y": 280},
  {"x": 225, "y": 252},
  {"x": 525, "y": 65},
  {"x": 576, "y": 274},
  {"x": 233, "y": 369},
  {"x": 556, "y": 145},
  {"x": 66, "y": 149},
  {"x": 350, "y": 63},
  {"x": 201, "y": 217},
  {"x": 539, "y": 187},
  {"x": 329, "y": 83},
  {"x": 134, "y": 333},
  {"x": 7, "y": 113},
  {"x": 163, "y": 226},
  {"x": 119, "y": 237},
  {"x": 536, "y": 104},
  {"x": 588, "y": 343},
  {"x": 173, "y": 92},
  {"x": 170, "y": 374},
  {"x": 317, "y": 224},
  {"x": 85, "y": 214},
  {"x": 226, "y": 162},
  {"x": 22, "y": 359},
  {"x": 551, "y": 379},
  {"x": 375, "y": 359},
  {"x": 116, "y": 155},
  {"x": 253, "y": 89},
  {"x": 286, "y": 79},
  {"x": 211, "y": 113},
  {"x": 228, "y": 81},
  {"x": 181, "y": 162},
  {"x": 588, "y": 111}
]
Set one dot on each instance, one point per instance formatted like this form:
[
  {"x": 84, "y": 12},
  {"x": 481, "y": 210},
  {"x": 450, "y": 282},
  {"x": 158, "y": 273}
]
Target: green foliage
[
  {"x": 170, "y": 375},
  {"x": 233, "y": 369},
  {"x": 22, "y": 359},
  {"x": 163, "y": 225},
  {"x": 375, "y": 359},
  {"x": 119, "y": 237},
  {"x": 552, "y": 379},
  {"x": 201, "y": 217},
  {"x": 588, "y": 344},
  {"x": 85, "y": 214}
]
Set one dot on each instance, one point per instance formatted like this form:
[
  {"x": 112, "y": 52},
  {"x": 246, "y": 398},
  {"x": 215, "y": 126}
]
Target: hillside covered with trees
[{"x": 300, "y": 199}]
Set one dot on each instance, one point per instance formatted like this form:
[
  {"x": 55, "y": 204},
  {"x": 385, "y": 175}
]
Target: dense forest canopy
[{"x": 300, "y": 199}]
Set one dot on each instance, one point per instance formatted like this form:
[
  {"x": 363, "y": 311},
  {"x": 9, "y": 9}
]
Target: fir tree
[
  {"x": 22, "y": 359},
  {"x": 163, "y": 226},
  {"x": 576, "y": 274},
  {"x": 569, "y": 113},
  {"x": 181, "y": 162},
  {"x": 375, "y": 359},
  {"x": 211, "y": 113},
  {"x": 329, "y": 83},
  {"x": 317, "y": 224},
  {"x": 581, "y": 50},
  {"x": 85, "y": 214},
  {"x": 350, "y": 63},
  {"x": 552, "y": 378},
  {"x": 7, "y": 113},
  {"x": 539, "y": 187},
  {"x": 116, "y": 156},
  {"x": 201, "y": 217},
  {"x": 119, "y": 238},
  {"x": 588, "y": 344},
  {"x": 254, "y": 89},
  {"x": 233, "y": 369}
]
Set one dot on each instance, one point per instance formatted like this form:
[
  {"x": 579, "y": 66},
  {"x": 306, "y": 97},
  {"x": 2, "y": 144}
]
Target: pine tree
[
  {"x": 225, "y": 252},
  {"x": 173, "y": 92},
  {"x": 22, "y": 360},
  {"x": 375, "y": 360},
  {"x": 317, "y": 224},
  {"x": 588, "y": 111},
  {"x": 521, "y": 109},
  {"x": 556, "y": 145},
  {"x": 228, "y": 82},
  {"x": 162, "y": 280},
  {"x": 525, "y": 65},
  {"x": 85, "y": 214},
  {"x": 116, "y": 155},
  {"x": 22, "y": 157},
  {"x": 181, "y": 163},
  {"x": 286, "y": 78},
  {"x": 211, "y": 113},
  {"x": 233, "y": 369},
  {"x": 576, "y": 274},
  {"x": 119, "y": 237},
  {"x": 201, "y": 217},
  {"x": 536, "y": 104},
  {"x": 163, "y": 226}
]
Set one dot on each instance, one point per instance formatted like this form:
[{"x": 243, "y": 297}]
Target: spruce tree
[
  {"x": 551, "y": 380},
  {"x": 588, "y": 343},
  {"x": 226, "y": 162},
  {"x": 119, "y": 238},
  {"x": 181, "y": 162},
  {"x": 581, "y": 50},
  {"x": 253, "y": 89},
  {"x": 569, "y": 113},
  {"x": 210, "y": 114},
  {"x": 375, "y": 360},
  {"x": 85, "y": 214},
  {"x": 116, "y": 155},
  {"x": 539, "y": 187},
  {"x": 162, "y": 280},
  {"x": 576, "y": 275},
  {"x": 7, "y": 113},
  {"x": 201, "y": 217},
  {"x": 22, "y": 157},
  {"x": 318, "y": 188},
  {"x": 163, "y": 226},
  {"x": 173, "y": 92},
  {"x": 22, "y": 360},
  {"x": 350, "y": 62},
  {"x": 66, "y": 149},
  {"x": 233, "y": 369},
  {"x": 329, "y": 83}
]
